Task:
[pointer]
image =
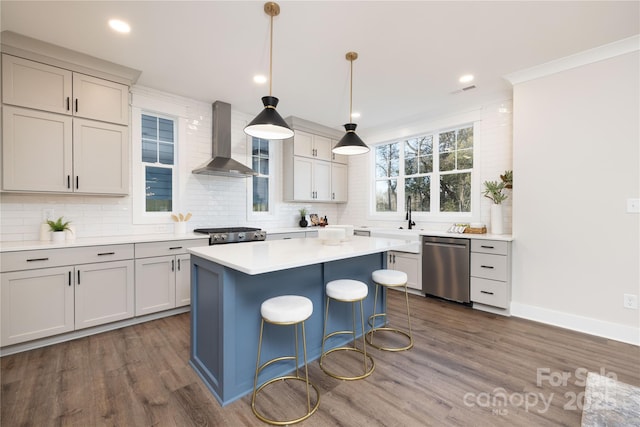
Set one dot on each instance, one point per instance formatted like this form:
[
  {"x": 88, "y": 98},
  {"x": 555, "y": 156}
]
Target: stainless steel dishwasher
[{"x": 445, "y": 267}]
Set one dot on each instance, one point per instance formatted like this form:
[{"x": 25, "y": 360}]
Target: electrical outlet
[
  {"x": 631, "y": 301},
  {"x": 47, "y": 214},
  {"x": 633, "y": 205}
]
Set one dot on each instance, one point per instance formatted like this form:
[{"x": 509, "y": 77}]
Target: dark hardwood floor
[{"x": 468, "y": 368}]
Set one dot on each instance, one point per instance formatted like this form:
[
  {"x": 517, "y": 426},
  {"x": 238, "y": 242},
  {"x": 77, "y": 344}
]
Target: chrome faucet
[{"x": 408, "y": 215}]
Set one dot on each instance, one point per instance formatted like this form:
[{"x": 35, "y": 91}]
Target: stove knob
[
  {"x": 241, "y": 236},
  {"x": 223, "y": 237},
  {"x": 216, "y": 237}
]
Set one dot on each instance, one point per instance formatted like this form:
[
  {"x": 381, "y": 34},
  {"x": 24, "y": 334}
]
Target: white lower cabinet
[
  {"x": 36, "y": 304},
  {"x": 103, "y": 293},
  {"x": 163, "y": 275},
  {"x": 409, "y": 263},
  {"x": 491, "y": 275},
  {"x": 41, "y": 302}
]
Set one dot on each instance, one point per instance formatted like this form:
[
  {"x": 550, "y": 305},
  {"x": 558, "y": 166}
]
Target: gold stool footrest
[
  {"x": 369, "y": 339},
  {"x": 368, "y": 370},
  {"x": 311, "y": 410}
]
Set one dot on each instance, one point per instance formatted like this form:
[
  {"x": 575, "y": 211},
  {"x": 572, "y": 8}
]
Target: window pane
[
  {"x": 158, "y": 189},
  {"x": 465, "y": 138},
  {"x": 166, "y": 130},
  {"x": 260, "y": 194},
  {"x": 455, "y": 192},
  {"x": 425, "y": 164},
  {"x": 387, "y": 160},
  {"x": 448, "y": 141},
  {"x": 465, "y": 159},
  {"x": 447, "y": 161},
  {"x": 165, "y": 153},
  {"x": 149, "y": 151},
  {"x": 386, "y": 197},
  {"x": 411, "y": 166},
  {"x": 149, "y": 127},
  {"x": 420, "y": 191}
]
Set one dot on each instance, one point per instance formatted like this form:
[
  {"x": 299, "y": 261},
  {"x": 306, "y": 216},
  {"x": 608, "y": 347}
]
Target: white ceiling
[{"x": 410, "y": 53}]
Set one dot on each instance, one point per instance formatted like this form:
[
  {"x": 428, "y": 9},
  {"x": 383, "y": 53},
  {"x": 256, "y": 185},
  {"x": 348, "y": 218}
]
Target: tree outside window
[
  {"x": 434, "y": 170},
  {"x": 158, "y": 158},
  {"x": 260, "y": 164}
]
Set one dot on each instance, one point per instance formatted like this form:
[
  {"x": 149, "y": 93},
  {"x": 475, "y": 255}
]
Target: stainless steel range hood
[{"x": 222, "y": 163}]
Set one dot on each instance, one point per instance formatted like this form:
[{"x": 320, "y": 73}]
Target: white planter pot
[
  {"x": 58, "y": 236},
  {"x": 496, "y": 219}
]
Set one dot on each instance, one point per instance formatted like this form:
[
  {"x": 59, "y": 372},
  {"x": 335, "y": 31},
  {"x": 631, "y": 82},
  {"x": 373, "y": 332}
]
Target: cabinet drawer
[
  {"x": 171, "y": 247},
  {"x": 489, "y": 292},
  {"x": 27, "y": 260},
  {"x": 489, "y": 246},
  {"x": 488, "y": 266}
]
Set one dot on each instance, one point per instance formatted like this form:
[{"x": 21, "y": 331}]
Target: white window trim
[
  {"x": 275, "y": 153},
  {"x": 164, "y": 110},
  {"x": 443, "y": 217}
]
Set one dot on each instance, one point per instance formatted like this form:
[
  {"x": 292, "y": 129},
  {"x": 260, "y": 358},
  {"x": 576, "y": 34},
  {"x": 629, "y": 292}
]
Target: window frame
[
  {"x": 275, "y": 149},
  {"x": 434, "y": 215},
  {"x": 140, "y": 215}
]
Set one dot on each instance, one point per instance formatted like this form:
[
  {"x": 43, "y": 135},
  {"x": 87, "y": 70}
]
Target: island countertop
[{"x": 274, "y": 255}]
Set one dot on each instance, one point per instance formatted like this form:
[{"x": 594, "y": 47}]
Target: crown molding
[{"x": 600, "y": 53}]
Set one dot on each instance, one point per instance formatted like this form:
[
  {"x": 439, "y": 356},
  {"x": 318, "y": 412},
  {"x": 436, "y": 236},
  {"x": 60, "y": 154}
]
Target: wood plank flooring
[{"x": 467, "y": 368}]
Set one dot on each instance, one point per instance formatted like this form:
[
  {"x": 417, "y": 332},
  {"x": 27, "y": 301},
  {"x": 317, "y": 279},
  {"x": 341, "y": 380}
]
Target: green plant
[
  {"x": 303, "y": 212},
  {"x": 58, "y": 225},
  {"x": 494, "y": 190}
]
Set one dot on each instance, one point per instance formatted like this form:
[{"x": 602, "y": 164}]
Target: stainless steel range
[{"x": 219, "y": 236}]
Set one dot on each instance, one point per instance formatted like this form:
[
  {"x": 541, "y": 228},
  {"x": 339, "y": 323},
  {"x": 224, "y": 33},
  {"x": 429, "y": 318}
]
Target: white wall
[
  {"x": 493, "y": 155},
  {"x": 576, "y": 161},
  {"x": 214, "y": 201}
]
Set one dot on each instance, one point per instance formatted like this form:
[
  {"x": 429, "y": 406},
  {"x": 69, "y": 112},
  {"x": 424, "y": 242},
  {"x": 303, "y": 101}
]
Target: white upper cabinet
[
  {"x": 310, "y": 145},
  {"x": 63, "y": 131},
  {"x": 39, "y": 86},
  {"x": 34, "y": 85}
]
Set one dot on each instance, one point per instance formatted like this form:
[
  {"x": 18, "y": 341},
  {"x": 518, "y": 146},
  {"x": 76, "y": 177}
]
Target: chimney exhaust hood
[{"x": 222, "y": 164}]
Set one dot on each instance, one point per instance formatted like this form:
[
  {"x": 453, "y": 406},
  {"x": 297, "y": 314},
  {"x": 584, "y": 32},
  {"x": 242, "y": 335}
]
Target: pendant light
[
  {"x": 350, "y": 143},
  {"x": 269, "y": 124}
]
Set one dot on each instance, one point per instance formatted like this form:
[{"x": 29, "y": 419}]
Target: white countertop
[
  {"x": 417, "y": 232},
  {"x": 275, "y": 255},
  {"x": 95, "y": 241}
]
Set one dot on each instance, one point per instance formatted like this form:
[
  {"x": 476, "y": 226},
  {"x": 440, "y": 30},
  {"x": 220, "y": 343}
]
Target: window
[
  {"x": 260, "y": 164},
  {"x": 158, "y": 148},
  {"x": 433, "y": 170}
]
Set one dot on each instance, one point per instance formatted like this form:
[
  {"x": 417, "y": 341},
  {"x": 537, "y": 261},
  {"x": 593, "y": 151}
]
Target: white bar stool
[
  {"x": 285, "y": 310},
  {"x": 390, "y": 279},
  {"x": 347, "y": 290}
]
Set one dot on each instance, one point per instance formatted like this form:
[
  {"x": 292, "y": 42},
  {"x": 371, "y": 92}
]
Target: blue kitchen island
[{"x": 230, "y": 282}]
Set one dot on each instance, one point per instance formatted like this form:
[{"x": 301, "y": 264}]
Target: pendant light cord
[
  {"x": 270, "y": 53},
  {"x": 351, "y": 95}
]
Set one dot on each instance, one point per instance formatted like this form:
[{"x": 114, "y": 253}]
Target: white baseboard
[{"x": 600, "y": 328}]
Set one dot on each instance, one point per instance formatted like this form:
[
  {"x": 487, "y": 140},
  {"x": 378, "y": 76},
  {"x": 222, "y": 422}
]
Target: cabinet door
[
  {"x": 322, "y": 180},
  {"x": 155, "y": 284},
  {"x": 410, "y": 264},
  {"x": 302, "y": 178},
  {"x": 303, "y": 144},
  {"x": 37, "y": 150},
  {"x": 183, "y": 280},
  {"x": 338, "y": 182},
  {"x": 104, "y": 293},
  {"x": 100, "y": 99},
  {"x": 35, "y": 304},
  {"x": 100, "y": 158},
  {"x": 34, "y": 85},
  {"x": 338, "y": 158},
  {"x": 322, "y": 147}
]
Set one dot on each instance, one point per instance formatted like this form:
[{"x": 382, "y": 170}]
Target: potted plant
[
  {"x": 495, "y": 190},
  {"x": 303, "y": 218},
  {"x": 58, "y": 228}
]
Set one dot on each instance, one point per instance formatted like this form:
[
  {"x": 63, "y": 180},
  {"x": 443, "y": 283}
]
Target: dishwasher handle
[{"x": 446, "y": 245}]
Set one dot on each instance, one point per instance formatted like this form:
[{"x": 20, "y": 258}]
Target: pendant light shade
[
  {"x": 350, "y": 143},
  {"x": 269, "y": 124}
]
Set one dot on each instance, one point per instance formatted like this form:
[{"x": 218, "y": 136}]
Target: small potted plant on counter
[
  {"x": 58, "y": 229},
  {"x": 303, "y": 218},
  {"x": 495, "y": 191}
]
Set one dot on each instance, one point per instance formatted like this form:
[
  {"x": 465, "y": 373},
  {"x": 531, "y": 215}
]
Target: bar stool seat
[
  {"x": 390, "y": 279},
  {"x": 285, "y": 310},
  {"x": 346, "y": 290}
]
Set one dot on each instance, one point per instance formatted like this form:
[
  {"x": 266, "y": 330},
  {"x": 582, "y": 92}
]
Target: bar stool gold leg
[{"x": 400, "y": 280}]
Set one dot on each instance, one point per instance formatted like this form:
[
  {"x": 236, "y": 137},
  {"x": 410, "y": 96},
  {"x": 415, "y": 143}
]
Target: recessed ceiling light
[
  {"x": 466, "y": 78},
  {"x": 119, "y": 26},
  {"x": 260, "y": 79}
]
